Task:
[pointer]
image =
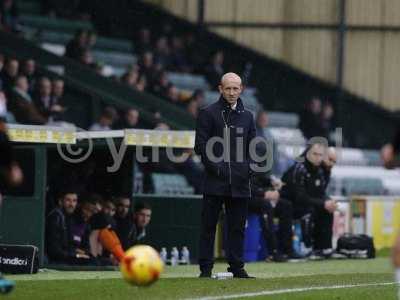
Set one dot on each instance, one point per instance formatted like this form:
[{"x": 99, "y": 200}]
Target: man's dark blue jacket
[{"x": 231, "y": 176}]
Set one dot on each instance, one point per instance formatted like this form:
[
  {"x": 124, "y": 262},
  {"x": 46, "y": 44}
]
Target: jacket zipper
[{"x": 229, "y": 160}]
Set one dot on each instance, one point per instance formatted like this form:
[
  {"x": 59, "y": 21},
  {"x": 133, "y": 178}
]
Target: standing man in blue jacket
[{"x": 224, "y": 132}]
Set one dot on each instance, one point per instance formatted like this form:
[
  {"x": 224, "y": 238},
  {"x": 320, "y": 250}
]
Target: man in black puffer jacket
[{"x": 305, "y": 186}]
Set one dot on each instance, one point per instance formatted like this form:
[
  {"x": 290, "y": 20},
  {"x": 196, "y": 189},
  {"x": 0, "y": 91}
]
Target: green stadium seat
[
  {"x": 171, "y": 184},
  {"x": 188, "y": 81}
]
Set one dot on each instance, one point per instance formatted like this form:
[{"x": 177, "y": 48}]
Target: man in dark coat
[
  {"x": 224, "y": 131},
  {"x": 59, "y": 242},
  {"x": 266, "y": 201}
]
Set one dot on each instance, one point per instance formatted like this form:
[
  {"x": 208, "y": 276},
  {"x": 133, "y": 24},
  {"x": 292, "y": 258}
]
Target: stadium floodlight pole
[
  {"x": 341, "y": 39},
  {"x": 200, "y": 12},
  {"x": 341, "y": 43}
]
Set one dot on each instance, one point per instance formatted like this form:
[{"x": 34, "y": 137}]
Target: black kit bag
[
  {"x": 19, "y": 259},
  {"x": 356, "y": 246}
]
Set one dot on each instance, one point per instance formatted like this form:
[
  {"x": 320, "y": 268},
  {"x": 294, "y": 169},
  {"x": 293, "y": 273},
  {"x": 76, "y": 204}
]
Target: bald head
[
  {"x": 230, "y": 77},
  {"x": 330, "y": 158},
  {"x": 230, "y": 87}
]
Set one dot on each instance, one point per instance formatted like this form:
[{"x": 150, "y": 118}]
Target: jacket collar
[
  {"x": 226, "y": 106},
  {"x": 309, "y": 166}
]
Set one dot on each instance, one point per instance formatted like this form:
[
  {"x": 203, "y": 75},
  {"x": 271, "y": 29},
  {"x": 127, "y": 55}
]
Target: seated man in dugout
[{"x": 59, "y": 244}]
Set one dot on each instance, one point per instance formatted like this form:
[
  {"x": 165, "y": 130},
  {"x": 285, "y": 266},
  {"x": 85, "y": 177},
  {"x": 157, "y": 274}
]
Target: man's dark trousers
[{"x": 236, "y": 213}]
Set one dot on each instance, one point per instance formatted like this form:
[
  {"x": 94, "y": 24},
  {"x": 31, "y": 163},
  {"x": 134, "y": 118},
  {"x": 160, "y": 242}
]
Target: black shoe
[
  {"x": 241, "y": 273},
  {"x": 205, "y": 274},
  {"x": 279, "y": 258},
  {"x": 316, "y": 255}
]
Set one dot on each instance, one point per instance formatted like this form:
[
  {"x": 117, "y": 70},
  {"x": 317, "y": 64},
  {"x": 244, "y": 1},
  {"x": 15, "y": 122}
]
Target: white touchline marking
[{"x": 294, "y": 290}]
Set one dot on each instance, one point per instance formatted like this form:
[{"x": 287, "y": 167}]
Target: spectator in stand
[
  {"x": 60, "y": 248},
  {"x": 58, "y": 98},
  {"x": 57, "y": 90},
  {"x": 45, "y": 102},
  {"x": 199, "y": 97},
  {"x": 9, "y": 15},
  {"x": 178, "y": 56},
  {"x": 29, "y": 70},
  {"x": 125, "y": 226},
  {"x": 215, "y": 69},
  {"x": 86, "y": 58},
  {"x": 9, "y": 74},
  {"x": 142, "y": 218},
  {"x": 327, "y": 121},
  {"x": 161, "y": 85},
  {"x": 130, "y": 120},
  {"x": 106, "y": 120},
  {"x": 77, "y": 45},
  {"x": 141, "y": 85},
  {"x": 173, "y": 94},
  {"x": 193, "y": 108},
  {"x": 143, "y": 42},
  {"x": 162, "y": 52},
  {"x": 21, "y": 104},
  {"x": 147, "y": 67},
  {"x": 310, "y": 119},
  {"x": 130, "y": 78}
]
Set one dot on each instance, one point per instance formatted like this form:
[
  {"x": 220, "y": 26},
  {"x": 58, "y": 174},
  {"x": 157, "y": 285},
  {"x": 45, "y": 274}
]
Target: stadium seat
[
  {"x": 171, "y": 184},
  {"x": 287, "y": 136},
  {"x": 283, "y": 119},
  {"x": 188, "y": 81},
  {"x": 115, "y": 59}
]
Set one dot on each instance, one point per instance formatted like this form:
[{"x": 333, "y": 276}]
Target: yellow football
[{"x": 141, "y": 265}]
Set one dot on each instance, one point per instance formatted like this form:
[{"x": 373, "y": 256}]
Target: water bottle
[
  {"x": 174, "y": 256},
  {"x": 185, "y": 256},
  {"x": 222, "y": 275},
  {"x": 164, "y": 254}
]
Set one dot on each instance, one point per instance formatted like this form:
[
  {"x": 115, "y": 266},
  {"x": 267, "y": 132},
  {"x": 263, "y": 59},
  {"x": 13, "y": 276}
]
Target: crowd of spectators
[
  {"x": 92, "y": 230},
  {"x": 157, "y": 55},
  {"x": 28, "y": 97}
]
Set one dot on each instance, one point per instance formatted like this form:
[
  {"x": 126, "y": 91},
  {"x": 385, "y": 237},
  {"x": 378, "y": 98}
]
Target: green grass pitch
[{"x": 332, "y": 279}]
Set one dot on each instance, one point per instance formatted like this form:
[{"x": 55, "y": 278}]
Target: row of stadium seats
[{"x": 171, "y": 184}]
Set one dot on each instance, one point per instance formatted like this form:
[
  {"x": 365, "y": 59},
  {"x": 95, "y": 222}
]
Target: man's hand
[
  {"x": 81, "y": 254},
  {"x": 57, "y": 108},
  {"x": 277, "y": 184},
  {"x": 271, "y": 196},
  {"x": 330, "y": 205}
]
